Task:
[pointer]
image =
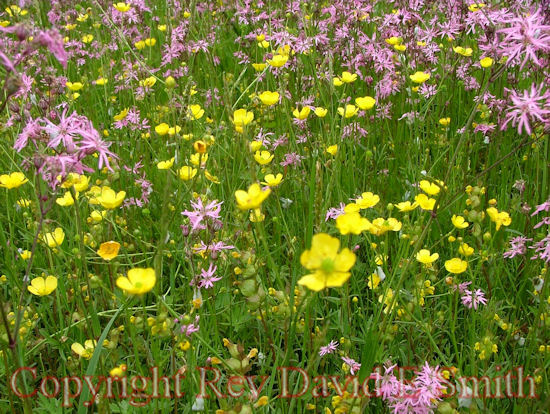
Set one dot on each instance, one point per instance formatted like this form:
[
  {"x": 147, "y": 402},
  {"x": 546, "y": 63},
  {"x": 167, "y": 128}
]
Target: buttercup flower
[
  {"x": 367, "y": 200},
  {"x": 13, "y": 180},
  {"x": 138, "y": 281},
  {"x": 500, "y": 218},
  {"x": 241, "y": 118},
  {"x": 348, "y": 111},
  {"x": 85, "y": 351},
  {"x": 456, "y": 265},
  {"x": 269, "y": 98},
  {"x": 302, "y": 113},
  {"x": 263, "y": 157},
  {"x": 278, "y": 60},
  {"x": 253, "y": 198},
  {"x": 425, "y": 257},
  {"x": 55, "y": 238},
  {"x": 419, "y": 77},
  {"x": 459, "y": 222},
  {"x": 42, "y": 286},
  {"x": 365, "y": 103},
  {"x": 272, "y": 180},
  {"x": 108, "y": 250},
  {"x": 330, "y": 268},
  {"x": 109, "y": 199},
  {"x": 352, "y": 223}
]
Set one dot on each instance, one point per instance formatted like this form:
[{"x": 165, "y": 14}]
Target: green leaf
[{"x": 95, "y": 359}]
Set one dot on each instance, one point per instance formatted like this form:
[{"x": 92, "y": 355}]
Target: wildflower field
[{"x": 255, "y": 206}]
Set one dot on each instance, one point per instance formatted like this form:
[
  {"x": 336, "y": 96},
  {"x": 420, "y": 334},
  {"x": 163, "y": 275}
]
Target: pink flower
[
  {"x": 525, "y": 37},
  {"x": 329, "y": 348},
  {"x": 528, "y": 107},
  {"x": 473, "y": 298},
  {"x": 352, "y": 364}
]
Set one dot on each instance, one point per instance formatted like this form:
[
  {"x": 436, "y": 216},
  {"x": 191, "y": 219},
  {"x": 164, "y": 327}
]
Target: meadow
[{"x": 254, "y": 206}]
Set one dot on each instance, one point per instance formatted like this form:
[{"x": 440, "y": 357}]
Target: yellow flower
[
  {"x": 162, "y": 129},
  {"x": 13, "y": 180},
  {"x": 406, "y": 206},
  {"x": 200, "y": 146},
  {"x": 400, "y": 48},
  {"x": 486, "y": 62},
  {"x": 195, "y": 111},
  {"x": 138, "y": 282},
  {"x": 241, "y": 118},
  {"x": 269, "y": 98},
  {"x": 251, "y": 199},
  {"x": 174, "y": 130},
  {"x": 278, "y": 60},
  {"x": 85, "y": 351},
  {"x": 121, "y": 115},
  {"x": 425, "y": 202},
  {"x": 166, "y": 165},
  {"x": 380, "y": 226},
  {"x": 419, "y": 77},
  {"x": 366, "y": 102},
  {"x": 394, "y": 40},
  {"x": 337, "y": 81},
  {"x": 465, "y": 250},
  {"x": 256, "y": 216},
  {"x": 55, "y": 238},
  {"x": 459, "y": 222},
  {"x": 24, "y": 202},
  {"x": 101, "y": 81},
  {"x": 87, "y": 38},
  {"x": 429, "y": 188},
  {"x": 332, "y": 149},
  {"x": 198, "y": 158},
  {"x": 373, "y": 281},
  {"x": 140, "y": 45},
  {"x": 263, "y": 157},
  {"x": 501, "y": 218},
  {"x": 108, "y": 250},
  {"x": 445, "y": 121},
  {"x": 122, "y": 7},
  {"x": 329, "y": 267},
  {"x": 348, "y": 111},
  {"x": 367, "y": 200},
  {"x": 25, "y": 254},
  {"x": 97, "y": 216},
  {"x": 352, "y": 223},
  {"x": 186, "y": 173},
  {"x": 424, "y": 257},
  {"x": 148, "y": 82},
  {"x": 273, "y": 181},
  {"x": 66, "y": 200},
  {"x": 258, "y": 67},
  {"x": 109, "y": 199},
  {"x": 302, "y": 113},
  {"x": 348, "y": 77},
  {"x": 255, "y": 145},
  {"x": 320, "y": 112},
  {"x": 151, "y": 41},
  {"x": 211, "y": 177},
  {"x": 463, "y": 51},
  {"x": 76, "y": 86},
  {"x": 456, "y": 265},
  {"x": 42, "y": 286}
]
